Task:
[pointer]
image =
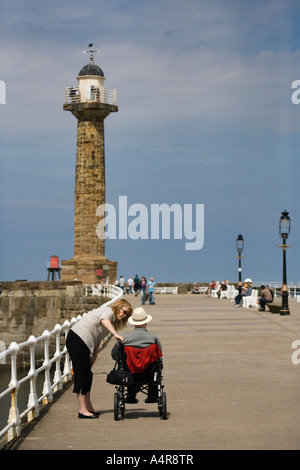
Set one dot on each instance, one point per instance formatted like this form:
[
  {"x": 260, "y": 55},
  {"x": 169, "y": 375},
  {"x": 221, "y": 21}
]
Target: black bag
[{"x": 119, "y": 377}]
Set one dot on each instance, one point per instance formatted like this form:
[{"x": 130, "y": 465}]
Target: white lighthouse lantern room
[{"x": 90, "y": 86}]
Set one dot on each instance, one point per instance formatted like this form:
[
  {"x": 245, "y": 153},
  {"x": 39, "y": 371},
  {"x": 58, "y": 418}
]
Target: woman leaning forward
[{"x": 83, "y": 341}]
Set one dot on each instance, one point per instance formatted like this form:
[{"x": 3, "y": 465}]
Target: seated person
[
  {"x": 265, "y": 297},
  {"x": 142, "y": 349},
  {"x": 196, "y": 289},
  {"x": 224, "y": 286},
  {"x": 246, "y": 290},
  {"x": 212, "y": 286}
]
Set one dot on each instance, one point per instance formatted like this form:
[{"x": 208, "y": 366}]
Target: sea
[{"x": 23, "y": 392}]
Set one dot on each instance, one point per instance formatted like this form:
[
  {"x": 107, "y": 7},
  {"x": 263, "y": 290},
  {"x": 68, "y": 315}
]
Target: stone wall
[{"x": 29, "y": 308}]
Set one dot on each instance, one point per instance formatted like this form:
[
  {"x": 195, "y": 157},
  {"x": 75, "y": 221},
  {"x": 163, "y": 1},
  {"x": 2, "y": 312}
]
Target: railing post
[
  {"x": 47, "y": 389},
  {"x": 14, "y": 415},
  {"x": 57, "y": 375},
  {"x": 32, "y": 398},
  {"x": 67, "y": 372}
]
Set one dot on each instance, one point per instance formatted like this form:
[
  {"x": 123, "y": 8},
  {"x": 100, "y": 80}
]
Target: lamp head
[
  {"x": 284, "y": 225},
  {"x": 240, "y": 243}
]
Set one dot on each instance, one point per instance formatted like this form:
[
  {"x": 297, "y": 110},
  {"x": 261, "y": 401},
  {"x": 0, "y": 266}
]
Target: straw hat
[{"x": 139, "y": 317}]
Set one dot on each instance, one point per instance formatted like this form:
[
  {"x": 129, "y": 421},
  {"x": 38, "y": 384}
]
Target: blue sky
[{"x": 205, "y": 117}]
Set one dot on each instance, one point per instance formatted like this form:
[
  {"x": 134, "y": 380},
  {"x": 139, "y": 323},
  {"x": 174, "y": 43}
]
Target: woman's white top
[{"x": 89, "y": 329}]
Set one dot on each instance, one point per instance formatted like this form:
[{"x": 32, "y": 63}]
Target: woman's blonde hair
[{"x": 116, "y": 307}]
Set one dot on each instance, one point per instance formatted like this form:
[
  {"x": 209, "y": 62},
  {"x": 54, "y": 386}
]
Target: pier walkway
[{"x": 228, "y": 375}]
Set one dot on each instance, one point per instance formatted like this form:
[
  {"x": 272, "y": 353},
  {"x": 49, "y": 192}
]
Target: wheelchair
[{"x": 148, "y": 382}]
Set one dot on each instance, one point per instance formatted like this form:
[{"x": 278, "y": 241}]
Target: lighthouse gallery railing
[
  {"x": 13, "y": 428},
  {"x": 92, "y": 95}
]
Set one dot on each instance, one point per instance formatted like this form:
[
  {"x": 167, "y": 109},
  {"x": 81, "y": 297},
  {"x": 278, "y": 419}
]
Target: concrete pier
[{"x": 229, "y": 378}]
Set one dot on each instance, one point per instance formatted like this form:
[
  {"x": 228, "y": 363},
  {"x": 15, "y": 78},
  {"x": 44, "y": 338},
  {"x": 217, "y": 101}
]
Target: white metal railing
[
  {"x": 92, "y": 95},
  {"x": 13, "y": 428},
  {"x": 276, "y": 284},
  {"x": 293, "y": 288}
]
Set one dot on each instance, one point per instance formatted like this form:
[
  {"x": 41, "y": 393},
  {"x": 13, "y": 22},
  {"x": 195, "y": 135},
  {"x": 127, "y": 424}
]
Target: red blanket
[{"x": 139, "y": 359}]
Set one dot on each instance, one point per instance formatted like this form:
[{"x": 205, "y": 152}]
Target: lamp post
[
  {"x": 284, "y": 231},
  {"x": 240, "y": 247}
]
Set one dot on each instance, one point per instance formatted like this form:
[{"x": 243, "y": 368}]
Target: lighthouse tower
[{"x": 90, "y": 102}]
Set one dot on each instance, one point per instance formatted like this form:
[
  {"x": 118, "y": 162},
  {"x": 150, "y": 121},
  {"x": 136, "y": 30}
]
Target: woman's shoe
[
  {"x": 95, "y": 412},
  {"x": 94, "y": 416}
]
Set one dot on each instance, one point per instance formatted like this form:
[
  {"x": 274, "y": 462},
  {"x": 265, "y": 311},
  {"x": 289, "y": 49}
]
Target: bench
[
  {"x": 274, "y": 308},
  {"x": 160, "y": 290},
  {"x": 250, "y": 300},
  {"x": 171, "y": 290},
  {"x": 166, "y": 290}
]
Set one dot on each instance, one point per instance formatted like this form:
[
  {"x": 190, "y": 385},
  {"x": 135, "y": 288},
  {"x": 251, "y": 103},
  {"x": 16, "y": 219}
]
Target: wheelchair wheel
[
  {"x": 119, "y": 406},
  {"x": 162, "y": 406},
  {"x": 116, "y": 406}
]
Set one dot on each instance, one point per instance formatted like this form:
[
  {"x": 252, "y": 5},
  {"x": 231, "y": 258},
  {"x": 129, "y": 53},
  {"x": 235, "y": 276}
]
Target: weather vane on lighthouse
[{"x": 92, "y": 52}]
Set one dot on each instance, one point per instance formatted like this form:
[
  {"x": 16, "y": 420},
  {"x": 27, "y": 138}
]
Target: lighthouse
[{"x": 90, "y": 102}]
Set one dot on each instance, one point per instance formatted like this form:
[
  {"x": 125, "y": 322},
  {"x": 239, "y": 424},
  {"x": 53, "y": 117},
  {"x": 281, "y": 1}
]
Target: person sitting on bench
[{"x": 265, "y": 297}]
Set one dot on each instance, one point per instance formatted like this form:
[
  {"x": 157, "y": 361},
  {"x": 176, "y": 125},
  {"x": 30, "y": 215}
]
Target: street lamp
[
  {"x": 284, "y": 231},
  {"x": 240, "y": 247}
]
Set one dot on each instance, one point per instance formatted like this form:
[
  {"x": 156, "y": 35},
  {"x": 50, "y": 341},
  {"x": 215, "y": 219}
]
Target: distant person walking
[
  {"x": 143, "y": 287},
  {"x": 151, "y": 287},
  {"x": 136, "y": 285},
  {"x": 122, "y": 283},
  {"x": 130, "y": 285}
]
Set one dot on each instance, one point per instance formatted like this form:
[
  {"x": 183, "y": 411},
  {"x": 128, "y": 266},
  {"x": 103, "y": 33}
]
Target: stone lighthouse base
[{"x": 89, "y": 270}]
